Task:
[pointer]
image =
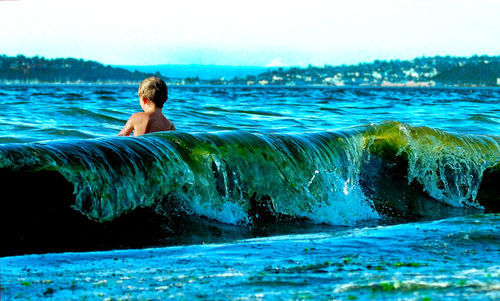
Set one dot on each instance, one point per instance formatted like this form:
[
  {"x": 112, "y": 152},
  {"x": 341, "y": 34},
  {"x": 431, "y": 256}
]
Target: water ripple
[{"x": 103, "y": 109}]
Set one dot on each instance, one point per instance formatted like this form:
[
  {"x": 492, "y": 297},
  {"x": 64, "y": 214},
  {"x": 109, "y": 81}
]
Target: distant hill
[
  {"x": 423, "y": 71},
  {"x": 476, "y": 73},
  {"x": 36, "y": 69}
]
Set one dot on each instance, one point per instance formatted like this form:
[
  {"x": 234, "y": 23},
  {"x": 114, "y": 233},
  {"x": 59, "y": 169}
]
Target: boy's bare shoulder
[
  {"x": 139, "y": 115},
  {"x": 133, "y": 121}
]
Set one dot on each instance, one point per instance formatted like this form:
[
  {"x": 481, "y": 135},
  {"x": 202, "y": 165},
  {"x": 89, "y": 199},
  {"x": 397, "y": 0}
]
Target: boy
[{"x": 153, "y": 94}]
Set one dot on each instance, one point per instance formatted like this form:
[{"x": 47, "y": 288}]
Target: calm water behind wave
[{"x": 47, "y": 112}]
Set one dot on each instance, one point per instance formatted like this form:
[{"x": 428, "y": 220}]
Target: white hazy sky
[{"x": 253, "y": 33}]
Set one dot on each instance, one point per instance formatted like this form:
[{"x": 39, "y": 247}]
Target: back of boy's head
[{"x": 154, "y": 89}]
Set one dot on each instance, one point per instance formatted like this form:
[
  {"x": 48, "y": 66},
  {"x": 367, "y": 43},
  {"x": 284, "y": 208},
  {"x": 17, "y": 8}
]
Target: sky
[{"x": 248, "y": 33}]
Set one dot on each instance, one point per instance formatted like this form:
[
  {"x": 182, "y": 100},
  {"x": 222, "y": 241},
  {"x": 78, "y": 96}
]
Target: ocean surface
[{"x": 263, "y": 193}]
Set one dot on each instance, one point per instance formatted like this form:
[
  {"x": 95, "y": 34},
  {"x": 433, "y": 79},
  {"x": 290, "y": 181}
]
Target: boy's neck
[{"x": 152, "y": 109}]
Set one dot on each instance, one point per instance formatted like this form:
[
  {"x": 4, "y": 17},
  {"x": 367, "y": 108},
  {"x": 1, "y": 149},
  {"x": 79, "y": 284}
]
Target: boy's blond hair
[{"x": 154, "y": 89}]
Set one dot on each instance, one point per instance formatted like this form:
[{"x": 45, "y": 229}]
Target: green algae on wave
[
  {"x": 449, "y": 167},
  {"x": 240, "y": 178}
]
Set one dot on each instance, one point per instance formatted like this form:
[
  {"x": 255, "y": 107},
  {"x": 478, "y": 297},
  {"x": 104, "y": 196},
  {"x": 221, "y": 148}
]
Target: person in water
[{"x": 153, "y": 93}]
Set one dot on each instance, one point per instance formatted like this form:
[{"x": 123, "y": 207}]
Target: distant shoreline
[
  {"x": 438, "y": 71},
  {"x": 397, "y": 86}
]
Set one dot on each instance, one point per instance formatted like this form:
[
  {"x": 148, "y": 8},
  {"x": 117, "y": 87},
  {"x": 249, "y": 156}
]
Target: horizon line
[{"x": 253, "y": 66}]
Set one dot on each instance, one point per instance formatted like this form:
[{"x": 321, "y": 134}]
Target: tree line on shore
[
  {"x": 443, "y": 70},
  {"x": 62, "y": 70}
]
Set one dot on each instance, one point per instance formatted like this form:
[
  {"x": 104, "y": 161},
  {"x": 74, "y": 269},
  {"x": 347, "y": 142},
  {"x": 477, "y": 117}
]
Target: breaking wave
[{"x": 340, "y": 178}]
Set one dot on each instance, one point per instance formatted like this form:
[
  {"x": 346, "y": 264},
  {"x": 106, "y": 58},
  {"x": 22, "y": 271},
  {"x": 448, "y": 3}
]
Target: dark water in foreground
[{"x": 296, "y": 193}]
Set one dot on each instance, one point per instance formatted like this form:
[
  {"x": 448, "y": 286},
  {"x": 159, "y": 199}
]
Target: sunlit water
[
  {"x": 448, "y": 258},
  {"x": 53, "y": 112}
]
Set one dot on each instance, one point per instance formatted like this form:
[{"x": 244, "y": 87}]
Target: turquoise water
[
  {"x": 452, "y": 259},
  {"x": 263, "y": 193},
  {"x": 33, "y": 113}
]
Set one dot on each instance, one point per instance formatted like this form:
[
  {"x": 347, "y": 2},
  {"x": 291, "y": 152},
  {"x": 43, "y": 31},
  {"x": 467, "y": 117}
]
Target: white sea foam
[{"x": 345, "y": 205}]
